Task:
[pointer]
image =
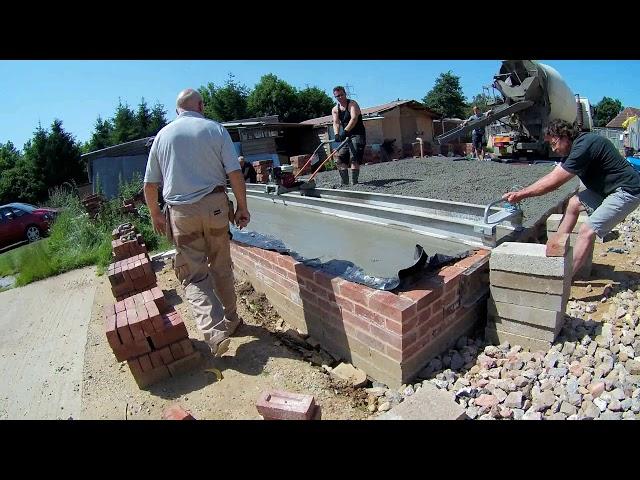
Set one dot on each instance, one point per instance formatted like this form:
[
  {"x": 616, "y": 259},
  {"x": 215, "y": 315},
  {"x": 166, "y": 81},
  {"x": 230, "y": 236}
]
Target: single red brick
[
  {"x": 280, "y": 405},
  {"x": 129, "y": 303},
  {"x": 148, "y": 297},
  {"x": 154, "y": 316},
  {"x": 176, "y": 350},
  {"x": 111, "y": 332},
  {"x": 145, "y": 363},
  {"x": 392, "y": 306},
  {"x": 156, "y": 358},
  {"x": 123, "y": 328},
  {"x": 356, "y": 292},
  {"x": 176, "y": 412},
  {"x": 120, "y": 306},
  {"x": 166, "y": 355},
  {"x": 135, "y": 325}
]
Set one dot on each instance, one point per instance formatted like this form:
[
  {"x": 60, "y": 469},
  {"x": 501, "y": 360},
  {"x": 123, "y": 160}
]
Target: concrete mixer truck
[{"x": 531, "y": 94}]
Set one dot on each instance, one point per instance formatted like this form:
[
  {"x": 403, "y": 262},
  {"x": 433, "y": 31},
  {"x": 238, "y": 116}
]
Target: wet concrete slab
[{"x": 379, "y": 250}]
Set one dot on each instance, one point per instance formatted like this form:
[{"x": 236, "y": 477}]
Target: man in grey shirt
[{"x": 191, "y": 157}]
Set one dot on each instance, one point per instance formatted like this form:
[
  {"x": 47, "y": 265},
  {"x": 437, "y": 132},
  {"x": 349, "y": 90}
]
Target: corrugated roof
[
  {"x": 622, "y": 116},
  {"x": 374, "y": 111}
]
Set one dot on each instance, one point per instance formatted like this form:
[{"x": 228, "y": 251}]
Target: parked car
[{"x": 21, "y": 221}]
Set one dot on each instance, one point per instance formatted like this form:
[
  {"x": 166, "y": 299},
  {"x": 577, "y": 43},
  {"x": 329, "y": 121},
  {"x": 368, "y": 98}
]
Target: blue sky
[{"x": 78, "y": 91}]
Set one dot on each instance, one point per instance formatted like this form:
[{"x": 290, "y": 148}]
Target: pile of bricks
[
  {"x": 141, "y": 327},
  {"x": 150, "y": 336},
  {"x": 299, "y": 161},
  {"x": 93, "y": 203},
  {"x": 530, "y": 285},
  {"x": 262, "y": 170},
  {"x": 128, "y": 206},
  {"x": 131, "y": 275},
  {"x": 128, "y": 244},
  {"x": 553, "y": 222},
  {"x": 279, "y": 405}
]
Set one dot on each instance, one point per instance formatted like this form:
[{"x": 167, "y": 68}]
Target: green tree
[
  {"x": 55, "y": 156},
  {"x": 101, "y": 137},
  {"x": 606, "y": 110},
  {"x": 143, "y": 120},
  {"x": 446, "y": 96},
  {"x": 225, "y": 103},
  {"x": 480, "y": 100},
  {"x": 313, "y": 103},
  {"x": 9, "y": 156},
  {"x": 125, "y": 128},
  {"x": 158, "y": 119},
  {"x": 272, "y": 96},
  {"x": 21, "y": 183}
]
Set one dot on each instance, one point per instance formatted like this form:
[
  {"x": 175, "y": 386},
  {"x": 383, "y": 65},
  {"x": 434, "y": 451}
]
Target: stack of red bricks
[
  {"x": 128, "y": 206},
  {"x": 93, "y": 204},
  {"x": 151, "y": 336},
  {"x": 141, "y": 327},
  {"x": 262, "y": 170},
  {"x": 127, "y": 243},
  {"x": 299, "y": 161},
  {"x": 131, "y": 275}
]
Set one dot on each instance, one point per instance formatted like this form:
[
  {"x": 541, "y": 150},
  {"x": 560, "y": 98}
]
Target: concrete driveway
[{"x": 43, "y": 331}]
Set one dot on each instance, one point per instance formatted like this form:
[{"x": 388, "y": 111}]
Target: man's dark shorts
[
  {"x": 476, "y": 140},
  {"x": 354, "y": 150}
]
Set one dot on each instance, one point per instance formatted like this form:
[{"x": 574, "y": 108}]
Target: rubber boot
[
  {"x": 344, "y": 176},
  {"x": 354, "y": 176}
]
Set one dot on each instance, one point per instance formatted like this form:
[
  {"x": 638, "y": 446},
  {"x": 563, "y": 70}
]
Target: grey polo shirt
[{"x": 190, "y": 157}]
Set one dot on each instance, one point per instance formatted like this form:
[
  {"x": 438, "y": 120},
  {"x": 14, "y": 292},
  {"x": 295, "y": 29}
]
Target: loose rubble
[{"x": 591, "y": 372}]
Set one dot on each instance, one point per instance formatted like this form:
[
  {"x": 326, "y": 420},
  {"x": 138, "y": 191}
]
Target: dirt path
[
  {"x": 43, "y": 328},
  {"x": 257, "y": 360}
]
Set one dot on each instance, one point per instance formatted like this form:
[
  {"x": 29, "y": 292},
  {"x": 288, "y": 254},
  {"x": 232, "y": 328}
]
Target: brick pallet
[
  {"x": 93, "y": 204},
  {"x": 123, "y": 229}
]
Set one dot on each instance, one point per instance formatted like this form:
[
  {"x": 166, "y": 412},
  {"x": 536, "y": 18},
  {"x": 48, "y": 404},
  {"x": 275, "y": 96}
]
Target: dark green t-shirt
[{"x": 595, "y": 160}]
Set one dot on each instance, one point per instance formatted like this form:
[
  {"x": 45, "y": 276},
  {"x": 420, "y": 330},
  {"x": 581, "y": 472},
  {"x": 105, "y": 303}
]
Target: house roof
[
  {"x": 622, "y": 116},
  {"x": 135, "y": 147},
  {"x": 373, "y": 111}
]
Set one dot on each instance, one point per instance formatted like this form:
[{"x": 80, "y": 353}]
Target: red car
[{"x": 21, "y": 221}]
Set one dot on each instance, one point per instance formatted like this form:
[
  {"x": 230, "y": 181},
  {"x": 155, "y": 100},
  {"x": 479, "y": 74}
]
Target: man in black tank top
[{"x": 347, "y": 114}]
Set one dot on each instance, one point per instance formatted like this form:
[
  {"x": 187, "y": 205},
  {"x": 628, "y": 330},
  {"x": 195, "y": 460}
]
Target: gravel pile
[
  {"x": 467, "y": 181},
  {"x": 591, "y": 372}
]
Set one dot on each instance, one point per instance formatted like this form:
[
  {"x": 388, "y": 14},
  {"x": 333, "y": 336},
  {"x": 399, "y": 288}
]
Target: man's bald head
[{"x": 189, "y": 100}]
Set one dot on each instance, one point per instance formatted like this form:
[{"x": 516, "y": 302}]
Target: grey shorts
[{"x": 606, "y": 213}]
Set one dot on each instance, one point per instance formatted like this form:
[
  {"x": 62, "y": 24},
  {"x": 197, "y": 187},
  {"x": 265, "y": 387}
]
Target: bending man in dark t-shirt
[
  {"x": 249, "y": 173},
  {"x": 613, "y": 186}
]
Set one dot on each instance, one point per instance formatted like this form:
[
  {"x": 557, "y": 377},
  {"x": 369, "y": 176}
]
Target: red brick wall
[{"x": 390, "y": 336}]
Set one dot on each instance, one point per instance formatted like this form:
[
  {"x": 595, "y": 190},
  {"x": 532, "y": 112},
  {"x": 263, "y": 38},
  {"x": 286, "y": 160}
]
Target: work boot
[
  {"x": 344, "y": 176},
  {"x": 233, "y": 324},
  {"x": 354, "y": 176},
  {"x": 219, "y": 344}
]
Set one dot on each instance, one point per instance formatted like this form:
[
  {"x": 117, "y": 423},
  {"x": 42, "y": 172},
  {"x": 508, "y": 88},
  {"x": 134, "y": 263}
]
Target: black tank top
[{"x": 345, "y": 117}]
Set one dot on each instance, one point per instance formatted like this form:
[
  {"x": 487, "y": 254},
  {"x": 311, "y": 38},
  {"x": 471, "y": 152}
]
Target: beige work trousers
[{"x": 200, "y": 233}]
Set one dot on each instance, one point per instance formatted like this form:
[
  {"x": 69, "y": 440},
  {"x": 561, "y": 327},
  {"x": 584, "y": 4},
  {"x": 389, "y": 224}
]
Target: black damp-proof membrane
[{"x": 422, "y": 265}]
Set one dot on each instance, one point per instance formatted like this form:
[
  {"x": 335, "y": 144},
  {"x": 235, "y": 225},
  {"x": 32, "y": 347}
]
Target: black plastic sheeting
[{"x": 349, "y": 271}]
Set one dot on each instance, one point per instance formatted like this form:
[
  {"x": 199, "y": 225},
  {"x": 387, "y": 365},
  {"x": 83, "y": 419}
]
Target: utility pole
[{"x": 349, "y": 91}]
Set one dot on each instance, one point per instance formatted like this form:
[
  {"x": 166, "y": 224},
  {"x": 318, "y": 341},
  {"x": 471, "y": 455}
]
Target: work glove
[{"x": 339, "y": 137}]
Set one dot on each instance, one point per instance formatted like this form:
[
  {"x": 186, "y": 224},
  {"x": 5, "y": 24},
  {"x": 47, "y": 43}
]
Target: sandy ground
[
  {"x": 43, "y": 331},
  {"x": 256, "y": 361}
]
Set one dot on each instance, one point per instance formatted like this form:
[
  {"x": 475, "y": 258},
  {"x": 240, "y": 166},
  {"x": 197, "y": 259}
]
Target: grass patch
[{"x": 76, "y": 240}]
